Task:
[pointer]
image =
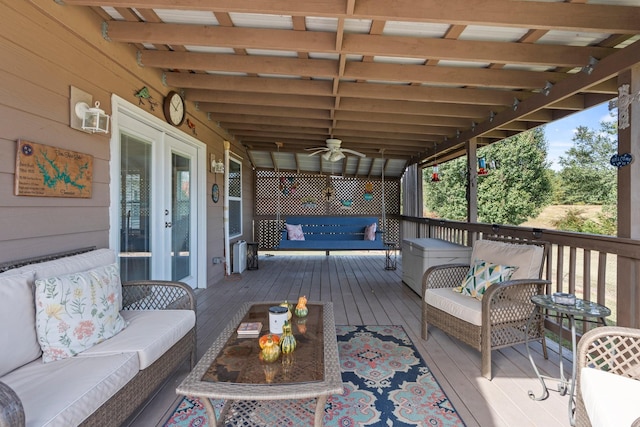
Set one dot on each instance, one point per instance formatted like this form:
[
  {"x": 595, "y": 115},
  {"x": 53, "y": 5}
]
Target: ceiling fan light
[{"x": 336, "y": 155}]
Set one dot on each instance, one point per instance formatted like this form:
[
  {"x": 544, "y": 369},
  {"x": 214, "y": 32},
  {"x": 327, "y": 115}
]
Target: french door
[{"x": 157, "y": 203}]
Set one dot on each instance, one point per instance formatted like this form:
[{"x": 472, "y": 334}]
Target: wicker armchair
[
  {"x": 615, "y": 350},
  {"x": 505, "y": 307}
]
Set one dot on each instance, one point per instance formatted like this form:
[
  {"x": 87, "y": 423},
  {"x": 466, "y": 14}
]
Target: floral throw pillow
[
  {"x": 77, "y": 311},
  {"x": 370, "y": 231},
  {"x": 294, "y": 232},
  {"x": 481, "y": 275}
]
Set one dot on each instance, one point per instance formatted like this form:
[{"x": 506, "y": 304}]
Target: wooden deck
[{"x": 364, "y": 293}]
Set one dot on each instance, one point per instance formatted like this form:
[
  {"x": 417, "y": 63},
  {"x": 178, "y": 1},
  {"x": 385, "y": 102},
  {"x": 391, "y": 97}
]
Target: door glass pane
[
  {"x": 135, "y": 201},
  {"x": 181, "y": 217}
]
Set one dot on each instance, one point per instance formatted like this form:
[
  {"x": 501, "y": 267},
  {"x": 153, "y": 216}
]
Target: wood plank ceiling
[{"x": 411, "y": 77}]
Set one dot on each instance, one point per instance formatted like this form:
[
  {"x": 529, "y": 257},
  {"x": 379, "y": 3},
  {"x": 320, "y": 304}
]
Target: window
[{"x": 235, "y": 198}]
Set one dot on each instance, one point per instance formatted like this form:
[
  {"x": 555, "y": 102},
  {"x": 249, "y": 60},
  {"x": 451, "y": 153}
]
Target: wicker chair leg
[
  {"x": 424, "y": 329},
  {"x": 486, "y": 364}
]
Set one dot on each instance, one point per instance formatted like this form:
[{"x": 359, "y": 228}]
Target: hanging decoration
[
  {"x": 191, "y": 125},
  {"x": 368, "y": 191},
  {"x": 143, "y": 94},
  {"x": 620, "y": 160},
  {"x": 329, "y": 193},
  {"x": 288, "y": 185},
  {"x": 482, "y": 167},
  {"x": 309, "y": 202},
  {"x": 435, "y": 176},
  {"x": 622, "y": 103}
]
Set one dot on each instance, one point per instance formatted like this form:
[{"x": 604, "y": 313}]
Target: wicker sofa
[
  {"x": 500, "y": 318},
  {"x": 608, "y": 378},
  {"x": 106, "y": 383}
]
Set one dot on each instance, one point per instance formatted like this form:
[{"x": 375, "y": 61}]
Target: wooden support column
[
  {"x": 472, "y": 183},
  {"x": 628, "y": 296}
]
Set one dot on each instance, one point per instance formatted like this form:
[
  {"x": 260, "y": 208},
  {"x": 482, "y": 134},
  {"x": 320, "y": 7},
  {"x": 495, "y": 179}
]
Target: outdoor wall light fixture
[
  {"x": 94, "y": 119},
  {"x": 85, "y": 117},
  {"x": 588, "y": 69},
  {"x": 216, "y": 166},
  {"x": 546, "y": 90}
]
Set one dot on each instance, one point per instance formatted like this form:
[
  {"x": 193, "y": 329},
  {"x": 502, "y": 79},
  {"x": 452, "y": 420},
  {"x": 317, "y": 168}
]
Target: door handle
[{"x": 167, "y": 225}]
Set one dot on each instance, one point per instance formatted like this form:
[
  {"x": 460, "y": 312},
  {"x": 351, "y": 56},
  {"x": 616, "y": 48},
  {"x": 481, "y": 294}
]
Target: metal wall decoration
[
  {"x": 215, "y": 193},
  {"x": 46, "y": 171},
  {"x": 622, "y": 103}
]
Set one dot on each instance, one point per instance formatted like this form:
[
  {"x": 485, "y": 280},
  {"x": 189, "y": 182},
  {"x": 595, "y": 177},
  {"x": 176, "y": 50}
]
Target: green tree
[
  {"x": 514, "y": 191},
  {"x": 586, "y": 176}
]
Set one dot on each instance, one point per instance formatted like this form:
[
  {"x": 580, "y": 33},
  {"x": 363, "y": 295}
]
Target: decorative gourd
[
  {"x": 263, "y": 339},
  {"x": 289, "y": 307},
  {"x": 271, "y": 350},
  {"x": 288, "y": 341},
  {"x": 301, "y": 308}
]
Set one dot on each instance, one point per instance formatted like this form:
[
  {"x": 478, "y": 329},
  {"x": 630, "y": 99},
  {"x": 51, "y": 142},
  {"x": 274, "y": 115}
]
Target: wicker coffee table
[{"x": 231, "y": 369}]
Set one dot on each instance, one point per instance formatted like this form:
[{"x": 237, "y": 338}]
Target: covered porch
[{"x": 364, "y": 293}]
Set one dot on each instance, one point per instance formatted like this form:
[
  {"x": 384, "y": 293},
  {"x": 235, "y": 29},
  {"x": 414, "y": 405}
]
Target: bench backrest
[{"x": 333, "y": 227}]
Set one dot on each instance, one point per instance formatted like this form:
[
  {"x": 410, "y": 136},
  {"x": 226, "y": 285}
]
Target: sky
[{"x": 559, "y": 134}]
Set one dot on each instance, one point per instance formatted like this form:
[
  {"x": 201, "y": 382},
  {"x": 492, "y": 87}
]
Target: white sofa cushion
[
  {"x": 528, "y": 258},
  {"x": 611, "y": 400},
  {"x": 18, "y": 342},
  {"x": 66, "y": 392},
  {"x": 150, "y": 333},
  {"x": 456, "y": 304},
  {"x": 76, "y": 311}
]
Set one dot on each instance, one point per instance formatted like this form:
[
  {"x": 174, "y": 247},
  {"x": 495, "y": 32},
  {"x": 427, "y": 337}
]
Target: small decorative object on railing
[
  {"x": 346, "y": 204},
  {"x": 620, "y": 160},
  {"x": 309, "y": 202}
]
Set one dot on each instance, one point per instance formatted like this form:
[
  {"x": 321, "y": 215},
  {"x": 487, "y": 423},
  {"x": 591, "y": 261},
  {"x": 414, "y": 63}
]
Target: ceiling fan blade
[
  {"x": 317, "y": 152},
  {"x": 316, "y": 148},
  {"x": 346, "y": 150}
]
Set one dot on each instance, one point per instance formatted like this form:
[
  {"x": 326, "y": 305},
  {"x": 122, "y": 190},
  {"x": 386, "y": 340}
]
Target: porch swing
[{"x": 327, "y": 232}]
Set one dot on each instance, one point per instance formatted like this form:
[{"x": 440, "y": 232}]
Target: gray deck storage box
[{"x": 420, "y": 254}]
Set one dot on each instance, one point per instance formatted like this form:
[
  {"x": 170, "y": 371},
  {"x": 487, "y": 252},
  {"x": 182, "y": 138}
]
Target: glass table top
[
  {"x": 239, "y": 362},
  {"x": 580, "y": 308}
]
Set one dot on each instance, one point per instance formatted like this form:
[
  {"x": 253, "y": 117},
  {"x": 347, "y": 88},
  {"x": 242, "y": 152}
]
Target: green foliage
[
  {"x": 605, "y": 222},
  {"x": 587, "y": 177},
  {"x": 510, "y": 194}
]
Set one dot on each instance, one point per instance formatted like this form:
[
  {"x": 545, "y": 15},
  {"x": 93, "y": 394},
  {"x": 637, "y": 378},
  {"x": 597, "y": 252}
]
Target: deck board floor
[{"x": 364, "y": 293}]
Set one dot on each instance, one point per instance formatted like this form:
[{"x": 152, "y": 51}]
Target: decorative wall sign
[
  {"x": 620, "y": 160},
  {"x": 46, "y": 171},
  {"x": 215, "y": 193}
]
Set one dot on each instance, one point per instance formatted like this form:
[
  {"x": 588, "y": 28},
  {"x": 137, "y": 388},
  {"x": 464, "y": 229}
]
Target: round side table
[{"x": 584, "y": 310}]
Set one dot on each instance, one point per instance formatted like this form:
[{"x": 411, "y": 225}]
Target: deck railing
[{"x": 598, "y": 268}]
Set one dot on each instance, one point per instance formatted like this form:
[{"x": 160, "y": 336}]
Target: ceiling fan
[{"x": 333, "y": 152}]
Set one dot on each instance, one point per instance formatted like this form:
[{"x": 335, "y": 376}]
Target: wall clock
[
  {"x": 174, "y": 108},
  {"x": 215, "y": 193}
]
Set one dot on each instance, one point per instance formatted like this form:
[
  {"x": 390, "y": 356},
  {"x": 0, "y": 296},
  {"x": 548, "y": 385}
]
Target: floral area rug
[{"x": 386, "y": 383}]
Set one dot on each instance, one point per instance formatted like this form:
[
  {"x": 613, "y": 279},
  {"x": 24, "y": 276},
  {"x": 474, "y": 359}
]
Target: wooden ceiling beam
[
  {"x": 233, "y": 63},
  {"x": 428, "y": 94},
  {"x": 248, "y": 84},
  {"x": 255, "y": 110},
  {"x": 301, "y": 101},
  {"x": 473, "y": 51},
  {"x": 415, "y": 108},
  {"x": 459, "y": 76},
  {"x": 388, "y": 127},
  {"x": 408, "y": 119},
  {"x": 220, "y": 36},
  {"x": 275, "y": 121},
  {"x": 535, "y": 15}
]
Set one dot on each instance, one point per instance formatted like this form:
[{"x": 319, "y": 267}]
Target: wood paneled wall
[{"x": 46, "y": 48}]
